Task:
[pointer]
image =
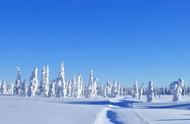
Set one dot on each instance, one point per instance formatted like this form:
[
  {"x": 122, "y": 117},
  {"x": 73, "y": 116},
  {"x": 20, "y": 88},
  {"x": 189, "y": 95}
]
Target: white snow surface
[{"x": 120, "y": 110}]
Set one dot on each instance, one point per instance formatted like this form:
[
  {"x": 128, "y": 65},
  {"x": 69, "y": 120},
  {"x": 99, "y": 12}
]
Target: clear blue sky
[{"x": 123, "y": 40}]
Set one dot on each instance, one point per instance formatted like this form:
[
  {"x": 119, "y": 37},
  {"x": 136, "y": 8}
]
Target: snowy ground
[{"x": 23, "y": 110}]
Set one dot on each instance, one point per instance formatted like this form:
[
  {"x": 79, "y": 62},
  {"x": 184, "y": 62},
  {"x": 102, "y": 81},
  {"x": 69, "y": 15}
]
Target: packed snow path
[
  {"x": 119, "y": 111},
  {"x": 25, "y": 110}
]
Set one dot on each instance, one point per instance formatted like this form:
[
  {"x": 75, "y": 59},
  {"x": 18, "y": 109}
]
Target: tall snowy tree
[
  {"x": 79, "y": 86},
  {"x": 11, "y": 89},
  {"x": 73, "y": 86},
  {"x": 42, "y": 82},
  {"x": 52, "y": 89},
  {"x": 92, "y": 86},
  {"x": 69, "y": 88},
  {"x": 135, "y": 91},
  {"x": 177, "y": 93},
  {"x": 4, "y": 87},
  {"x": 108, "y": 89},
  {"x": 18, "y": 83},
  {"x": 150, "y": 92},
  {"x": 141, "y": 91},
  {"x": 60, "y": 88},
  {"x": 46, "y": 82},
  {"x": 23, "y": 88},
  {"x": 33, "y": 87},
  {"x": 179, "y": 82}
]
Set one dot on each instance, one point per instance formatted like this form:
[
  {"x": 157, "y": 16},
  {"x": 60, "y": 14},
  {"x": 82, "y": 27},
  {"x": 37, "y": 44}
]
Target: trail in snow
[{"x": 119, "y": 112}]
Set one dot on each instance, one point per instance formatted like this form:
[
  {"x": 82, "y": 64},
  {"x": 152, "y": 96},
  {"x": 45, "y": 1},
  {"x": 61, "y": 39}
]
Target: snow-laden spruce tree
[
  {"x": 118, "y": 88},
  {"x": 24, "y": 88},
  {"x": 69, "y": 88},
  {"x": 52, "y": 89},
  {"x": 60, "y": 87},
  {"x": 78, "y": 86},
  {"x": 150, "y": 92},
  {"x": 179, "y": 82},
  {"x": 73, "y": 86},
  {"x": 4, "y": 87},
  {"x": 115, "y": 88},
  {"x": 108, "y": 89},
  {"x": 11, "y": 89},
  {"x": 33, "y": 87},
  {"x": 92, "y": 86},
  {"x": 141, "y": 91},
  {"x": 18, "y": 83},
  {"x": 105, "y": 90},
  {"x": 177, "y": 93},
  {"x": 135, "y": 91},
  {"x": 44, "y": 84},
  {"x": 102, "y": 91}
]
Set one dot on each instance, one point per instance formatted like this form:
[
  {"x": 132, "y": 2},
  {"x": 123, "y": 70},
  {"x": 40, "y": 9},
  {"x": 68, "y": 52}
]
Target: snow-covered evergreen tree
[
  {"x": 179, "y": 82},
  {"x": 73, "y": 86},
  {"x": 78, "y": 86},
  {"x": 24, "y": 88},
  {"x": 33, "y": 87},
  {"x": 60, "y": 87},
  {"x": 18, "y": 83},
  {"x": 69, "y": 88},
  {"x": 115, "y": 89},
  {"x": 141, "y": 91},
  {"x": 46, "y": 82},
  {"x": 150, "y": 92},
  {"x": 102, "y": 91},
  {"x": 105, "y": 90},
  {"x": 108, "y": 89},
  {"x": 42, "y": 82},
  {"x": 4, "y": 87},
  {"x": 11, "y": 89},
  {"x": 135, "y": 91},
  {"x": 52, "y": 89},
  {"x": 177, "y": 93},
  {"x": 92, "y": 86}
]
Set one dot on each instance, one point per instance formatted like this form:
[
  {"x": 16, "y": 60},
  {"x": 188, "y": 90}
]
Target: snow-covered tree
[
  {"x": 69, "y": 88},
  {"x": 102, "y": 91},
  {"x": 177, "y": 93},
  {"x": 24, "y": 88},
  {"x": 115, "y": 89},
  {"x": 45, "y": 86},
  {"x": 141, "y": 91},
  {"x": 92, "y": 86},
  {"x": 60, "y": 87},
  {"x": 73, "y": 86},
  {"x": 11, "y": 89},
  {"x": 135, "y": 90},
  {"x": 42, "y": 82},
  {"x": 78, "y": 86},
  {"x": 33, "y": 87},
  {"x": 52, "y": 89},
  {"x": 150, "y": 92},
  {"x": 4, "y": 87},
  {"x": 18, "y": 83},
  {"x": 179, "y": 82},
  {"x": 108, "y": 89}
]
